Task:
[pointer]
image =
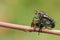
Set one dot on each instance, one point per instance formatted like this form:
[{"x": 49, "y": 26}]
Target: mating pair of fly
[{"x": 42, "y": 20}]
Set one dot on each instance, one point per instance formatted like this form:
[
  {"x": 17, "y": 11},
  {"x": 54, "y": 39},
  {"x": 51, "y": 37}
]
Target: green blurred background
[{"x": 21, "y": 12}]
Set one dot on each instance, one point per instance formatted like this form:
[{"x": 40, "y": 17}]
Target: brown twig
[{"x": 28, "y": 28}]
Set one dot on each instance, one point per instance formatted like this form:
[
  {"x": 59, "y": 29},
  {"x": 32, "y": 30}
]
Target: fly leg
[
  {"x": 34, "y": 28},
  {"x": 40, "y": 28},
  {"x": 33, "y": 25}
]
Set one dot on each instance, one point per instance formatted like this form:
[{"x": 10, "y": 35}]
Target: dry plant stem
[{"x": 28, "y": 28}]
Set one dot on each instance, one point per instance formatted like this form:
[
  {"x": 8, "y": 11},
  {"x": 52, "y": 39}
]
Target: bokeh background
[{"x": 21, "y": 12}]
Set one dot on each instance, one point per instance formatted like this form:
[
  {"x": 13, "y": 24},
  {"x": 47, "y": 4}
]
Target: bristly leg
[
  {"x": 33, "y": 25},
  {"x": 34, "y": 28},
  {"x": 40, "y": 28}
]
